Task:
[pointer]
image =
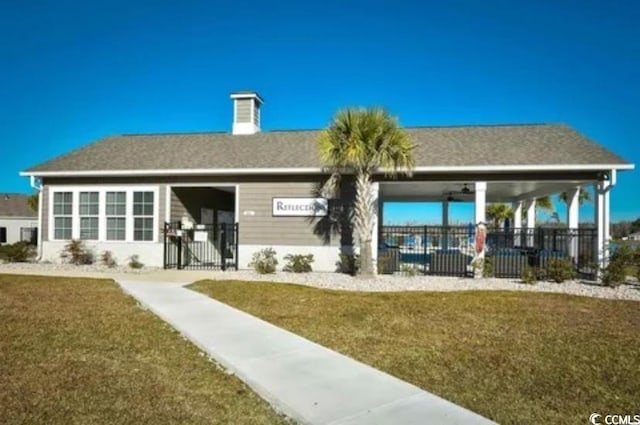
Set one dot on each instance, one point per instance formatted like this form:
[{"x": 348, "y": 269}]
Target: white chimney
[{"x": 246, "y": 112}]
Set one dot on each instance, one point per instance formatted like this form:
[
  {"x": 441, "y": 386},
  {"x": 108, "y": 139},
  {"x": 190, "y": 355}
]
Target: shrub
[
  {"x": 409, "y": 270},
  {"x": 487, "y": 267},
  {"x": 107, "y": 259},
  {"x": 622, "y": 262},
  {"x": 298, "y": 263},
  {"x": 264, "y": 261},
  {"x": 18, "y": 252},
  {"x": 76, "y": 252},
  {"x": 134, "y": 262},
  {"x": 385, "y": 264},
  {"x": 348, "y": 264},
  {"x": 560, "y": 269},
  {"x": 485, "y": 264},
  {"x": 530, "y": 275},
  {"x": 614, "y": 274}
]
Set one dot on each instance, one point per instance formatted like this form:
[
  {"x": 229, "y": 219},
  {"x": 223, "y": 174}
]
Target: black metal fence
[
  {"x": 433, "y": 250},
  {"x": 449, "y": 251},
  {"x": 511, "y": 250},
  {"x": 203, "y": 247}
]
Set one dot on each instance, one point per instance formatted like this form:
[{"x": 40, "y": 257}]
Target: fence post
[
  {"x": 223, "y": 246},
  {"x": 424, "y": 249},
  {"x": 164, "y": 251},
  {"x": 179, "y": 260},
  {"x": 236, "y": 236}
]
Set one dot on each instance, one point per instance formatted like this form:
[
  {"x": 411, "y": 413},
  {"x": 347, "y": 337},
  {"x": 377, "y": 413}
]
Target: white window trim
[
  {"x": 102, "y": 218},
  {"x": 52, "y": 226}
]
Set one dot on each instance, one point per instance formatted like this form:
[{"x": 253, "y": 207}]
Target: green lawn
[
  {"x": 79, "y": 351},
  {"x": 518, "y": 358}
]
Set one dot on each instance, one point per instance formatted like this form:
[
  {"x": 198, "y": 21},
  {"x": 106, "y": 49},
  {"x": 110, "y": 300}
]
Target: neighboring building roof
[
  {"x": 463, "y": 146},
  {"x": 15, "y": 205}
]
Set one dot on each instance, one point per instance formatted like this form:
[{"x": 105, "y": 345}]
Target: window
[
  {"x": 89, "y": 210},
  {"x": 116, "y": 211},
  {"x": 29, "y": 234},
  {"x": 62, "y": 213},
  {"x": 102, "y": 213},
  {"x": 142, "y": 216},
  {"x": 3, "y": 235}
]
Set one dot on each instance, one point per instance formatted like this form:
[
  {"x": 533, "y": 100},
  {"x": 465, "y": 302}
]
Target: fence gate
[{"x": 203, "y": 247}]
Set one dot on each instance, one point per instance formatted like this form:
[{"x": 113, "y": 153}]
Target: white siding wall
[
  {"x": 150, "y": 254},
  {"x": 13, "y": 226}
]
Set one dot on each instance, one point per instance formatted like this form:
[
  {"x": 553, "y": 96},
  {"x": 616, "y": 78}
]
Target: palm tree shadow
[{"x": 337, "y": 225}]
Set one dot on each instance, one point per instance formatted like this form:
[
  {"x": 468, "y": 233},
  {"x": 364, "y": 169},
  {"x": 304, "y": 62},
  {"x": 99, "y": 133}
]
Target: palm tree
[
  {"x": 498, "y": 213},
  {"x": 32, "y": 201},
  {"x": 584, "y": 196},
  {"x": 545, "y": 203},
  {"x": 360, "y": 142}
]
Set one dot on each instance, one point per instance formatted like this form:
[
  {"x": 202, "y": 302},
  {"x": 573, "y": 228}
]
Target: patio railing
[{"x": 449, "y": 250}]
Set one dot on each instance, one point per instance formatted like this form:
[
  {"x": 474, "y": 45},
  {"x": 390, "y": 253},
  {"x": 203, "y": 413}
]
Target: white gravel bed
[
  {"x": 388, "y": 283},
  {"x": 382, "y": 283},
  {"x": 45, "y": 268}
]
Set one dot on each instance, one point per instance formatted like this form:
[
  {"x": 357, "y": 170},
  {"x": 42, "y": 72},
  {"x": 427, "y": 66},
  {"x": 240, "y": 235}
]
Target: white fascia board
[
  {"x": 321, "y": 170},
  {"x": 176, "y": 172}
]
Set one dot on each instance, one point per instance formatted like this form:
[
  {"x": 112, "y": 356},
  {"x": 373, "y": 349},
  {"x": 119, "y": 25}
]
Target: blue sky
[{"x": 75, "y": 71}]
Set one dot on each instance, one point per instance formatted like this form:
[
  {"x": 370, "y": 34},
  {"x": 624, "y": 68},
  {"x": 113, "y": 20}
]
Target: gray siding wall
[
  {"x": 256, "y": 194},
  {"x": 256, "y": 116},
  {"x": 258, "y": 225},
  {"x": 243, "y": 110}
]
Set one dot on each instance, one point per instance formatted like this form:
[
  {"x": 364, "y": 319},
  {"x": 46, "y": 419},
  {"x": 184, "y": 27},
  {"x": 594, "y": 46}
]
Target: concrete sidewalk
[{"x": 303, "y": 380}]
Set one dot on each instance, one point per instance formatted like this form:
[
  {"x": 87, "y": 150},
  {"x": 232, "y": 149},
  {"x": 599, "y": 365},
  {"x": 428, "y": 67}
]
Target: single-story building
[
  {"x": 213, "y": 199},
  {"x": 18, "y": 222},
  {"x": 634, "y": 236}
]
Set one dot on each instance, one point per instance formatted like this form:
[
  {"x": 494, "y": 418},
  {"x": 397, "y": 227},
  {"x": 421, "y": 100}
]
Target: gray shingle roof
[
  {"x": 15, "y": 205},
  {"x": 542, "y": 144}
]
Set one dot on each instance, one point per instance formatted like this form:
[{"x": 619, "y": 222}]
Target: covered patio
[{"x": 453, "y": 250}]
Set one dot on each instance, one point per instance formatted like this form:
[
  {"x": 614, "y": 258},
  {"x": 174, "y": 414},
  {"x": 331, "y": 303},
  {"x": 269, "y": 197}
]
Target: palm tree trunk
[{"x": 363, "y": 218}]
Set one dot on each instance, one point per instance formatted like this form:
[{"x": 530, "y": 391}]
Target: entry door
[{"x": 206, "y": 216}]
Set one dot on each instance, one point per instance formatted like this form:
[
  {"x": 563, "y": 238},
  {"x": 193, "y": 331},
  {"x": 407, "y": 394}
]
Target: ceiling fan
[
  {"x": 457, "y": 195},
  {"x": 465, "y": 190}
]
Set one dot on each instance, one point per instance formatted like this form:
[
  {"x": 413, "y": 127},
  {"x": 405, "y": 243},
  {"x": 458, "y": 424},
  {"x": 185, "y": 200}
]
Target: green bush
[
  {"x": 560, "y": 269},
  {"x": 298, "y": 263},
  {"x": 264, "y": 261},
  {"x": 134, "y": 262},
  {"x": 530, "y": 275},
  {"x": 409, "y": 270},
  {"x": 621, "y": 262},
  {"x": 487, "y": 267},
  {"x": 384, "y": 264},
  {"x": 18, "y": 252},
  {"x": 76, "y": 252},
  {"x": 107, "y": 259},
  {"x": 348, "y": 264}
]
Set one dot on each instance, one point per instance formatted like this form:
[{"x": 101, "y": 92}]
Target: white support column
[
  {"x": 481, "y": 202},
  {"x": 531, "y": 222},
  {"x": 573, "y": 207},
  {"x": 517, "y": 223},
  {"x": 603, "y": 221},
  {"x": 598, "y": 189},
  {"x": 480, "y": 219},
  {"x": 375, "y": 207}
]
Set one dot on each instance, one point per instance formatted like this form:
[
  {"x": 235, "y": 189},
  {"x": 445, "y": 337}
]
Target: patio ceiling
[{"x": 497, "y": 191}]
